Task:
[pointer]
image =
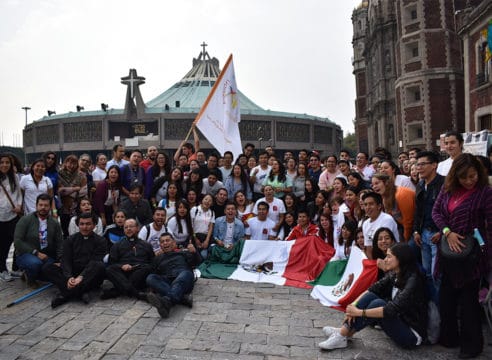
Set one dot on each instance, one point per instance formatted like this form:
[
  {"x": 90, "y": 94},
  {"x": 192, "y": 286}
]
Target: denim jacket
[{"x": 220, "y": 229}]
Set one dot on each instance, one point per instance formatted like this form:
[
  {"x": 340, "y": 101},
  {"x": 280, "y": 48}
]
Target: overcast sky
[{"x": 289, "y": 55}]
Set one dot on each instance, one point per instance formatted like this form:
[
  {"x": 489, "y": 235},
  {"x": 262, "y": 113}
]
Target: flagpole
[{"x": 221, "y": 75}]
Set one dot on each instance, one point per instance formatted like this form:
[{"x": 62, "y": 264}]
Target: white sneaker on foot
[
  {"x": 335, "y": 341},
  {"x": 16, "y": 274},
  {"x": 5, "y": 276},
  {"x": 330, "y": 330}
]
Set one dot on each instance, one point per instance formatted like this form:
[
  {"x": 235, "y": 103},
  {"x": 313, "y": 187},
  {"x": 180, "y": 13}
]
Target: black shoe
[
  {"x": 109, "y": 294},
  {"x": 141, "y": 295},
  {"x": 163, "y": 304},
  {"x": 86, "y": 298},
  {"x": 187, "y": 300},
  {"x": 58, "y": 300}
]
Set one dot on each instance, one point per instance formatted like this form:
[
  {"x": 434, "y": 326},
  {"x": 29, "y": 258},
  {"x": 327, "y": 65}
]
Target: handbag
[{"x": 471, "y": 248}]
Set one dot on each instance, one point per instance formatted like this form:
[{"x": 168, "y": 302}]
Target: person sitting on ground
[
  {"x": 151, "y": 232},
  {"x": 261, "y": 227},
  {"x": 383, "y": 239},
  {"x": 397, "y": 302},
  {"x": 129, "y": 264},
  {"x": 82, "y": 267},
  {"x": 303, "y": 228},
  {"x": 135, "y": 207},
  {"x": 228, "y": 229},
  {"x": 115, "y": 232},
  {"x": 37, "y": 240},
  {"x": 171, "y": 278}
]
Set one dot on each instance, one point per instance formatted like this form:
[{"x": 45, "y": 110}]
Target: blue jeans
[
  {"x": 429, "y": 252},
  {"x": 32, "y": 265},
  {"x": 395, "y": 328},
  {"x": 172, "y": 288}
]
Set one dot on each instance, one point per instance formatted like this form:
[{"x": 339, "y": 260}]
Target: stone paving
[{"x": 229, "y": 320}]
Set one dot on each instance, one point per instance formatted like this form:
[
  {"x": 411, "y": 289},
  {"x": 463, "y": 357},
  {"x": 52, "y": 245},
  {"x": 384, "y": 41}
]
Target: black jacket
[
  {"x": 172, "y": 263},
  {"x": 79, "y": 251},
  {"x": 410, "y": 302},
  {"x": 433, "y": 190},
  {"x": 132, "y": 251}
]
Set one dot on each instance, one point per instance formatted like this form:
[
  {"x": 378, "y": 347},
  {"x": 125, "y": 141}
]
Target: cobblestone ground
[{"x": 229, "y": 320}]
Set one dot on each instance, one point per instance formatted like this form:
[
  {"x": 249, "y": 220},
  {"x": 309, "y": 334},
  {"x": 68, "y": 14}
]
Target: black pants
[
  {"x": 7, "y": 229},
  {"x": 94, "y": 273},
  {"x": 128, "y": 282},
  {"x": 468, "y": 335}
]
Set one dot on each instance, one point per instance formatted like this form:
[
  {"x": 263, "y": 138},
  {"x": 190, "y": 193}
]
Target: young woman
[
  {"x": 10, "y": 210},
  {"x": 191, "y": 198},
  {"x": 277, "y": 180},
  {"x": 238, "y": 181},
  {"x": 51, "y": 164},
  {"x": 311, "y": 189},
  {"x": 339, "y": 187},
  {"x": 194, "y": 181},
  {"x": 288, "y": 224},
  {"x": 251, "y": 163},
  {"x": 160, "y": 187},
  {"x": 464, "y": 204},
  {"x": 244, "y": 208},
  {"x": 317, "y": 207},
  {"x": 170, "y": 201},
  {"x": 359, "y": 239},
  {"x": 160, "y": 169},
  {"x": 36, "y": 184},
  {"x": 325, "y": 226},
  {"x": 180, "y": 226},
  {"x": 382, "y": 240},
  {"x": 202, "y": 221},
  {"x": 85, "y": 206},
  {"x": 414, "y": 175},
  {"x": 107, "y": 197},
  {"x": 115, "y": 232},
  {"x": 299, "y": 182},
  {"x": 355, "y": 180},
  {"x": 291, "y": 204},
  {"x": 398, "y": 201},
  {"x": 389, "y": 168},
  {"x": 291, "y": 169},
  {"x": 345, "y": 241},
  {"x": 352, "y": 202},
  {"x": 397, "y": 302}
]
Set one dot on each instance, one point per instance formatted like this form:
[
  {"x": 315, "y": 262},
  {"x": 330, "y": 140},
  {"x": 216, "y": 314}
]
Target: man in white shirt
[
  {"x": 227, "y": 168},
  {"x": 99, "y": 173},
  {"x": 152, "y": 232},
  {"x": 258, "y": 174},
  {"x": 211, "y": 185},
  {"x": 260, "y": 227},
  {"x": 118, "y": 154},
  {"x": 453, "y": 145},
  {"x": 373, "y": 205},
  {"x": 276, "y": 211}
]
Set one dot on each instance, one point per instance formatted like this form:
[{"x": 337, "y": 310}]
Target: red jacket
[{"x": 298, "y": 232}]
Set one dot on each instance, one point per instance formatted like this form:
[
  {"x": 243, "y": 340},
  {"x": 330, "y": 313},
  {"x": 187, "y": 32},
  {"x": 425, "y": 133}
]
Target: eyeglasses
[
  {"x": 50, "y": 158},
  {"x": 423, "y": 163}
]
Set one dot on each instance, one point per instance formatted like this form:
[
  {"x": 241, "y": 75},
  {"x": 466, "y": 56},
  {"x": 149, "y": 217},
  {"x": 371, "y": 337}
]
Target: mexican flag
[
  {"x": 291, "y": 263},
  {"x": 341, "y": 282}
]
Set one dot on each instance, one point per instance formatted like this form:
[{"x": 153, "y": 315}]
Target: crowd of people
[{"x": 143, "y": 221}]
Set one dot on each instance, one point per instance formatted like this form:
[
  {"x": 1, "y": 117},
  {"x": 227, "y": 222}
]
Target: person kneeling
[
  {"x": 397, "y": 302},
  {"x": 82, "y": 267},
  {"x": 171, "y": 276}
]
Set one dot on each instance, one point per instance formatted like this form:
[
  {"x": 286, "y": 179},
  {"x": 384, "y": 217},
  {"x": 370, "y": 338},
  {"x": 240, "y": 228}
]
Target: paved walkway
[{"x": 229, "y": 320}]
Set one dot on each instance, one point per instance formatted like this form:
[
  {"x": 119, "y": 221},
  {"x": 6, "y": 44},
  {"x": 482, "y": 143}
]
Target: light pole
[{"x": 26, "y": 109}]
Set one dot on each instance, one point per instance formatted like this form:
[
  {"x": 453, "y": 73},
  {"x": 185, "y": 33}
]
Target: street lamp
[{"x": 26, "y": 109}]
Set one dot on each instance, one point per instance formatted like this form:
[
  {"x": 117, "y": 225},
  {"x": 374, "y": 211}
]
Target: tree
[{"x": 350, "y": 143}]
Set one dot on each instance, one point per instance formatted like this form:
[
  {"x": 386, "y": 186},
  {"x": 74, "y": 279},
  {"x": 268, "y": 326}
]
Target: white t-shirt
[
  {"x": 259, "y": 230},
  {"x": 211, "y": 189},
  {"x": 339, "y": 220},
  {"x": 153, "y": 237},
  {"x": 200, "y": 220},
  {"x": 73, "y": 228},
  {"x": 181, "y": 238},
  {"x": 31, "y": 191},
  {"x": 369, "y": 227},
  {"x": 98, "y": 174},
  {"x": 277, "y": 207},
  {"x": 402, "y": 180},
  {"x": 444, "y": 166},
  {"x": 260, "y": 177}
]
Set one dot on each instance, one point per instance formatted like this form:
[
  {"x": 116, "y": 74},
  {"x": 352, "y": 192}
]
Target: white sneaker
[
  {"x": 16, "y": 274},
  {"x": 330, "y": 330},
  {"x": 335, "y": 341},
  {"x": 5, "y": 276}
]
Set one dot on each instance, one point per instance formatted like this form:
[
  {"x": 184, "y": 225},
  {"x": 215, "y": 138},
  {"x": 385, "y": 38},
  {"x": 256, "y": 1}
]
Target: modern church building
[{"x": 165, "y": 121}]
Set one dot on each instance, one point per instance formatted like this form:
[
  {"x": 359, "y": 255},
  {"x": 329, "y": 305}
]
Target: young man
[
  {"x": 276, "y": 207},
  {"x": 303, "y": 228},
  {"x": 228, "y": 229},
  {"x": 135, "y": 207},
  {"x": 314, "y": 170},
  {"x": 118, "y": 157},
  {"x": 248, "y": 149},
  {"x": 129, "y": 264},
  {"x": 227, "y": 168},
  {"x": 258, "y": 175},
  {"x": 132, "y": 173},
  {"x": 261, "y": 227},
  {"x": 171, "y": 276},
  {"x": 212, "y": 164},
  {"x": 211, "y": 184},
  {"x": 453, "y": 145},
  {"x": 38, "y": 240},
  {"x": 82, "y": 266},
  {"x": 220, "y": 201},
  {"x": 151, "y": 156},
  {"x": 373, "y": 205},
  {"x": 153, "y": 231}
]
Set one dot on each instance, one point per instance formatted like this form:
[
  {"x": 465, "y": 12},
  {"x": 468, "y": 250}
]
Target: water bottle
[{"x": 478, "y": 236}]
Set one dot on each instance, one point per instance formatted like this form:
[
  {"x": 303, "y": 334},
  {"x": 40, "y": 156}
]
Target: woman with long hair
[
  {"x": 161, "y": 168},
  {"x": 202, "y": 221},
  {"x": 194, "y": 181},
  {"x": 51, "y": 163},
  {"x": 34, "y": 184},
  {"x": 238, "y": 181},
  {"x": 85, "y": 206},
  {"x": 345, "y": 241},
  {"x": 299, "y": 183},
  {"x": 290, "y": 221},
  {"x": 355, "y": 179},
  {"x": 170, "y": 202},
  {"x": 244, "y": 207},
  {"x": 310, "y": 192},
  {"x": 325, "y": 226},
  {"x": 72, "y": 185},
  {"x": 291, "y": 203},
  {"x": 338, "y": 188},
  {"x": 107, "y": 196},
  {"x": 159, "y": 188},
  {"x": 382, "y": 240},
  {"x": 10, "y": 210},
  {"x": 397, "y": 303},
  {"x": 191, "y": 198},
  {"x": 317, "y": 207},
  {"x": 179, "y": 225},
  {"x": 277, "y": 180},
  {"x": 398, "y": 201},
  {"x": 352, "y": 202},
  {"x": 389, "y": 168},
  {"x": 291, "y": 169},
  {"x": 464, "y": 204},
  {"x": 114, "y": 232},
  {"x": 414, "y": 175}
]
